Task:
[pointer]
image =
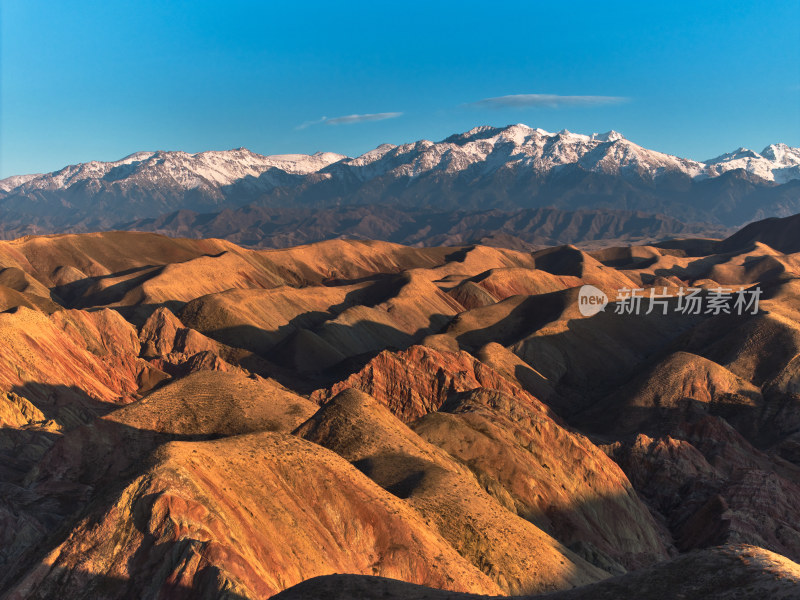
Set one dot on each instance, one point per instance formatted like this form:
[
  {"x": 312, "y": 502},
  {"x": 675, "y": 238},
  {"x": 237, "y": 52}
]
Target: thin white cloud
[
  {"x": 310, "y": 123},
  {"x": 351, "y": 119},
  {"x": 546, "y": 101}
]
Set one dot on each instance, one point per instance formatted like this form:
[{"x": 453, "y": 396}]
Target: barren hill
[{"x": 192, "y": 418}]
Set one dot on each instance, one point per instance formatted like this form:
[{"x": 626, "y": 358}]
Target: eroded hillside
[{"x": 193, "y": 419}]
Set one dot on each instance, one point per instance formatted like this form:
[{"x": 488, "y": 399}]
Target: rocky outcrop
[
  {"x": 417, "y": 381},
  {"x": 713, "y": 487}
]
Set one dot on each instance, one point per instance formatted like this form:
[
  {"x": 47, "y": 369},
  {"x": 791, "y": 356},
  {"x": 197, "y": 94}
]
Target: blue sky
[{"x": 99, "y": 80}]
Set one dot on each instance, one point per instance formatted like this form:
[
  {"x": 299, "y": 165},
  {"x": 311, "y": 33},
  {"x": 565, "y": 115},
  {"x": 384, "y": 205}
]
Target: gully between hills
[{"x": 351, "y": 419}]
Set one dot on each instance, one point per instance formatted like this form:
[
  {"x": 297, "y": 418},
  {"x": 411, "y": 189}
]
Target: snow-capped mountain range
[
  {"x": 484, "y": 168},
  {"x": 492, "y": 148},
  {"x": 213, "y": 168},
  {"x": 776, "y": 162}
]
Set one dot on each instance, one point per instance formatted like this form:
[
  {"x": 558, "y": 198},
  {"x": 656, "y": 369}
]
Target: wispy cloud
[
  {"x": 310, "y": 123},
  {"x": 351, "y": 119},
  {"x": 546, "y": 101}
]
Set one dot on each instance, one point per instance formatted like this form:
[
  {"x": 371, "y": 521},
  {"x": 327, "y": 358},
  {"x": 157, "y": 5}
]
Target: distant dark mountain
[
  {"x": 486, "y": 169},
  {"x": 780, "y": 234},
  {"x": 520, "y": 229}
]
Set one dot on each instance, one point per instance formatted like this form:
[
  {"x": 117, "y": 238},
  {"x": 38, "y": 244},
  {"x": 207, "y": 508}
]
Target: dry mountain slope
[
  {"x": 207, "y": 515},
  {"x": 188, "y": 418},
  {"x": 518, "y": 556},
  {"x": 523, "y": 457}
]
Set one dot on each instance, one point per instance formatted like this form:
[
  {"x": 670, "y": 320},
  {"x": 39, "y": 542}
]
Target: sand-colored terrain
[{"x": 193, "y": 419}]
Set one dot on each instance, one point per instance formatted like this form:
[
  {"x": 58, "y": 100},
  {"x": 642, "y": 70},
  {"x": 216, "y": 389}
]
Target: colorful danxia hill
[{"x": 192, "y": 418}]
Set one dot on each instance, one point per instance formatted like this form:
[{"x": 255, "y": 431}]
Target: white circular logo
[{"x": 591, "y": 300}]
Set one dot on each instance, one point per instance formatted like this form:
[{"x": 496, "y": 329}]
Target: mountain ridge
[
  {"x": 486, "y": 168},
  {"x": 780, "y": 155}
]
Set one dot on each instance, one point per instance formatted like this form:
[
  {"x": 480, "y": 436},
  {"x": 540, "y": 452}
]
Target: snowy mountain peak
[
  {"x": 136, "y": 157},
  {"x": 377, "y": 153},
  {"x": 481, "y": 132},
  {"x": 608, "y": 136},
  {"x": 739, "y": 153},
  {"x": 782, "y": 154},
  {"x": 778, "y": 162}
]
